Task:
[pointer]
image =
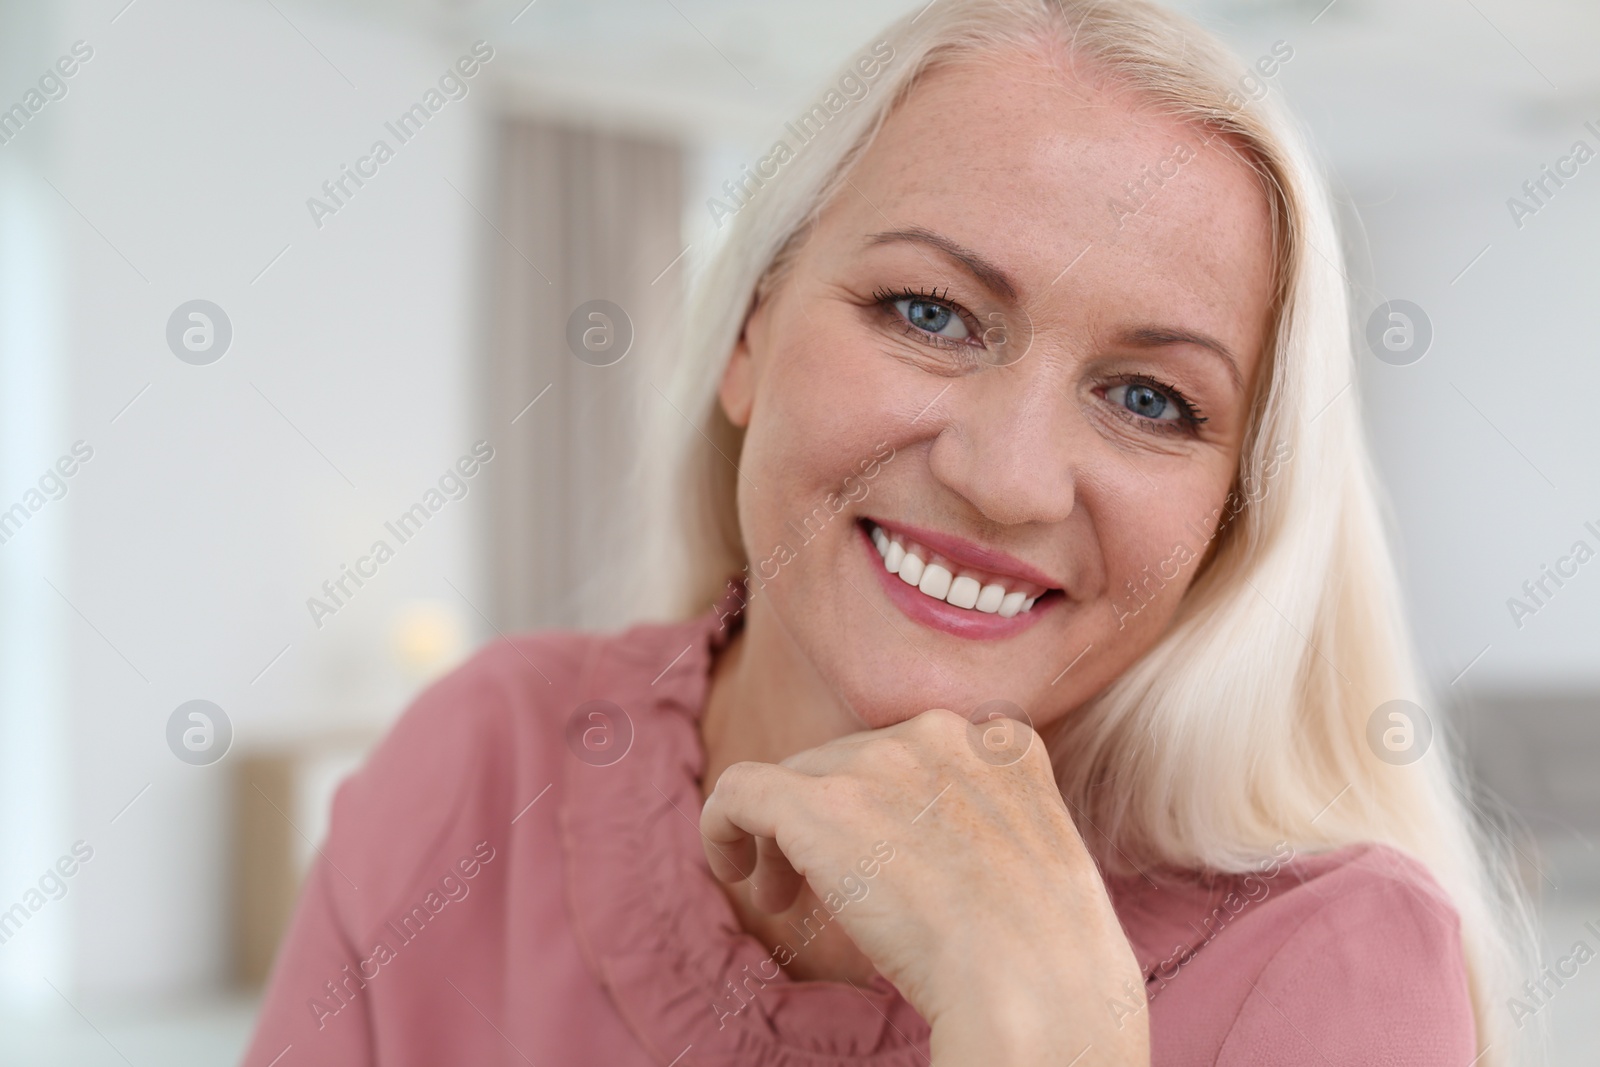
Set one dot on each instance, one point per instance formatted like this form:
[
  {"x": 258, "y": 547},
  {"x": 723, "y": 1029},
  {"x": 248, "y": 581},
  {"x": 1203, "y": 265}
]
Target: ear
[{"x": 737, "y": 393}]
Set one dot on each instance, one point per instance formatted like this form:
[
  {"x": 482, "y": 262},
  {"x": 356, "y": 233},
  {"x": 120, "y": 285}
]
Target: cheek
[
  {"x": 1154, "y": 542},
  {"x": 827, "y": 368},
  {"x": 825, "y": 402}
]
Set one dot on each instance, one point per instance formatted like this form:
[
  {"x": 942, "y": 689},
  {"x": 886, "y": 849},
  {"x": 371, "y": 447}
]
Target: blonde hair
[{"x": 1246, "y": 724}]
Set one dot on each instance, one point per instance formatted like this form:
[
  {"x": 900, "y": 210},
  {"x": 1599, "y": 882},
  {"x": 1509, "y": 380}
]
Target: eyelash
[
  {"x": 1188, "y": 422},
  {"x": 886, "y": 299}
]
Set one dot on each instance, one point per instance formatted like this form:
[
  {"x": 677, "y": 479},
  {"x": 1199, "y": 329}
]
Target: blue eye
[
  {"x": 932, "y": 317},
  {"x": 1156, "y": 403},
  {"x": 1145, "y": 400}
]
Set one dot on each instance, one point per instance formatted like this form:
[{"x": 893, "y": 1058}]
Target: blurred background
[{"x": 239, "y": 346}]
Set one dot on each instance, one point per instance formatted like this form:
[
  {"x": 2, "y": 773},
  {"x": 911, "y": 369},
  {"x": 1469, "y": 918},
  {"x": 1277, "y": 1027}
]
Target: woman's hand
[{"x": 991, "y": 919}]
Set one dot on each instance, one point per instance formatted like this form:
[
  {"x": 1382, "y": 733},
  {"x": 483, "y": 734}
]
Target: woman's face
[{"x": 1020, "y": 347}]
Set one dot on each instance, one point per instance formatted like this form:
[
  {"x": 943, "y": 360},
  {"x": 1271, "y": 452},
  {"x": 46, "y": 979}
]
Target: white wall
[
  {"x": 34, "y": 796},
  {"x": 190, "y": 142},
  {"x": 1487, "y": 496}
]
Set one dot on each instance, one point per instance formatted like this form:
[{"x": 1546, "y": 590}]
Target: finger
[
  {"x": 750, "y": 800},
  {"x": 840, "y": 753},
  {"x": 776, "y": 882},
  {"x": 826, "y": 758},
  {"x": 860, "y": 737}
]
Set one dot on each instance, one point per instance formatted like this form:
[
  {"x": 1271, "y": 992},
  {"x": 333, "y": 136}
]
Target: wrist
[
  {"x": 998, "y": 1023},
  {"x": 1037, "y": 1024}
]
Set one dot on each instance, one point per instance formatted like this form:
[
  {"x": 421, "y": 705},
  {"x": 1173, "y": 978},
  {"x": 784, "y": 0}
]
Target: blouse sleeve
[
  {"x": 300, "y": 1016},
  {"x": 427, "y": 793},
  {"x": 1376, "y": 975}
]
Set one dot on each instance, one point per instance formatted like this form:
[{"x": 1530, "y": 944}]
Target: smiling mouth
[{"x": 939, "y": 578}]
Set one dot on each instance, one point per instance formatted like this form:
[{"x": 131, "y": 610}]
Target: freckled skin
[{"x": 1017, "y": 158}]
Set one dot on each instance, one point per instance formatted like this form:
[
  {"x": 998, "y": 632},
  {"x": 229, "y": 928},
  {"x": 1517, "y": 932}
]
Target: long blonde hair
[{"x": 1246, "y": 725}]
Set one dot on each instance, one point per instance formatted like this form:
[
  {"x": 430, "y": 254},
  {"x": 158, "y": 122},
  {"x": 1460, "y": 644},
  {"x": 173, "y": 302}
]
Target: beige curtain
[{"x": 583, "y": 215}]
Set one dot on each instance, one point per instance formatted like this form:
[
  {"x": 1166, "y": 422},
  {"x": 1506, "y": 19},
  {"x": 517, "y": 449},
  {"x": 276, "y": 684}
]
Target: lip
[
  {"x": 973, "y": 555},
  {"x": 947, "y": 618}
]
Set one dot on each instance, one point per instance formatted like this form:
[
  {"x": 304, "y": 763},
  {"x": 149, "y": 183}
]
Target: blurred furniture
[{"x": 1534, "y": 751}]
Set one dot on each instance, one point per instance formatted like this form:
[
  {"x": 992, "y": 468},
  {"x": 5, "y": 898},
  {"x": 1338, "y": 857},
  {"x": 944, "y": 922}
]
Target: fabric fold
[{"x": 654, "y": 925}]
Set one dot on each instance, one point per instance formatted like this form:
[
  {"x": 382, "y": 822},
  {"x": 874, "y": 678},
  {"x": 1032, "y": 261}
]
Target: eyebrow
[
  {"x": 998, "y": 281},
  {"x": 1161, "y": 336},
  {"x": 990, "y": 275}
]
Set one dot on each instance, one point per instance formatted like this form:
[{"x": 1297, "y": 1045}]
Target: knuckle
[
  {"x": 1036, "y": 754},
  {"x": 735, "y": 778},
  {"x": 940, "y": 724}
]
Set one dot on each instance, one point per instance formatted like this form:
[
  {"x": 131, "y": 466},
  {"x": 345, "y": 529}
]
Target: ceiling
[{"x": 1382, "y": 86}]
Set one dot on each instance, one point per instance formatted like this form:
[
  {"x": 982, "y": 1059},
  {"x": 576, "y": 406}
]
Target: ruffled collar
[{"x": 655, "y": 927}]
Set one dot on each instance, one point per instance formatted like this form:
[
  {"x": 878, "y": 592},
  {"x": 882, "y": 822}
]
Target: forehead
[{"x": 1035, "y": 162}]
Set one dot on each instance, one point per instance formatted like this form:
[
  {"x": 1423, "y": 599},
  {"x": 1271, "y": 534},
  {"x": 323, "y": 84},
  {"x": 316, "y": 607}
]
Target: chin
[{"x": 898, "y": 696}]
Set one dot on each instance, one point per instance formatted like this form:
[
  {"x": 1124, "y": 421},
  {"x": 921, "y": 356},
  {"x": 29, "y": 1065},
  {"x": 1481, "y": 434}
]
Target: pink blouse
[{"x": 485, "y": 896}]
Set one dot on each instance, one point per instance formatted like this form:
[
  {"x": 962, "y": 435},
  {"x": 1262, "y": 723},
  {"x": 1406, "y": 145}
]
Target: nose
[{"x": 1008, "y": 448}]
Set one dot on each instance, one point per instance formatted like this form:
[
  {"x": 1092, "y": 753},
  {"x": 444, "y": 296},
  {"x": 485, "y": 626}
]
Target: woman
[{"x": 1034, "y": 725}]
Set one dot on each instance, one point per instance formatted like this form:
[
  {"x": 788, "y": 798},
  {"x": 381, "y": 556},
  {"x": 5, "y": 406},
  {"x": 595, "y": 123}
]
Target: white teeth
[
  {"x": 963, "y": 592},
  {"x": 911, "y": 569},
  {"x": 989, "y": 600},
  {"x": 935, "y": 581}
]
